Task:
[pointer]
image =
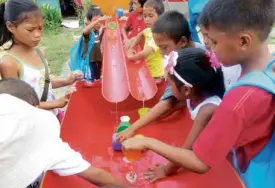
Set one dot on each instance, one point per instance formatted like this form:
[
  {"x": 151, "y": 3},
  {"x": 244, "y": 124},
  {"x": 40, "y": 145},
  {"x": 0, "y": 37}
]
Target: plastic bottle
[{"x": 124, "y": 124}]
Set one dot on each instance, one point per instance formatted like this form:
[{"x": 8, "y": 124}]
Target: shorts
[{"x": 167, "y": 93}]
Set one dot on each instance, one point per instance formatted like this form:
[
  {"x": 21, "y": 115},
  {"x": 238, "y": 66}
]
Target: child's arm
[
  {"x": 9, "y": 68},
  {"x": 87, "y": 30},
  {"x": 184, "y": 157},
  {"x": 200, "y": 122},
  {"x": 136, "y": 40},
  {"x": 156, "y": 112},
  {"x": 140, "y": 55},
  {"x": 100, "y": 177},
  {"x": 70, "y": 80},
  {"x": 203, "y": 117}
]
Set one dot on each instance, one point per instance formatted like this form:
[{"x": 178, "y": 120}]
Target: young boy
[
  {"x": 237, "y": 30},
  {"x": 30, "y": 142},
  {"x": 93, "y": 22}
]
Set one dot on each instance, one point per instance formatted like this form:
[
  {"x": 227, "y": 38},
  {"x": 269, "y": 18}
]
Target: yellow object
[
  {"x": 133, "y": 155},
  {"x": 109, "y": 7},
  {"x": 143, "y": 111},
  {"x": 154, "y": 60}
]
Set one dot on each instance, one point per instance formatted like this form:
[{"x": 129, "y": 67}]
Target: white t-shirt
[
  {"x": 31, "y": 145},
  {"x": 231, "y": 75},
  {"x": 65, "y": 163},
  {"x": 210, "y": 100}
]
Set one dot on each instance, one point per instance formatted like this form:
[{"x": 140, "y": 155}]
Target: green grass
[{"x": 57, "y": 46}]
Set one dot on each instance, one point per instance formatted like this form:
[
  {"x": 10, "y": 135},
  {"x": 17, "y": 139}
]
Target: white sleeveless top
[
  {"x": 210, "y": 100},
  {"x": 34, "y": 76}
]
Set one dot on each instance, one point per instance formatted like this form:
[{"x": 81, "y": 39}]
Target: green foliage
[
  {"x": 82, "y": 11},
  {"x": 52, "y": 17},
  {"x": 2, "y": 1}
]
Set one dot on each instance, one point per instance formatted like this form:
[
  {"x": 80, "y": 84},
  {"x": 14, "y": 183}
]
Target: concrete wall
[{"x": 179, "y": 6}]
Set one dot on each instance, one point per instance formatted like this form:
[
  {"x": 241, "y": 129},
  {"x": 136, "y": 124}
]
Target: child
[
  {"x": 195, "y": 80},
  {"x": 30, "y": 142},
  {"x": 135, "y": 23},
  {"x": 22, "y": 23},
  {"x": 151, "y": 11},
  {"x": 93, "y": 23},
  {"x": 171, "y": 32},
  {"x": 244, "y": 121}
]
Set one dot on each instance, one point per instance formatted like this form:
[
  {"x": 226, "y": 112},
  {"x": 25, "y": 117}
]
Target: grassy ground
[{"x": 57, "y": 47}]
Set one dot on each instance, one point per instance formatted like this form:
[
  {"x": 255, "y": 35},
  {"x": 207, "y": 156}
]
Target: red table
[{"x": 88, "y": 127}]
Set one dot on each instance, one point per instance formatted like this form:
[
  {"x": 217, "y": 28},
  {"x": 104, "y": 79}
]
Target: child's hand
[
  {"x": 130, "y": 54},
  {"x": 74, "y": 77},
  {"x": 69, "y": 93},
  {"x": 122, "y": 136},
  {"x": 155, "y": 174},
  {"x": 127, "y": 43},
  {"x": 123, "y": 18},
  {"x": 136, "y": 143},
  {"x": 103, "y": 19}
]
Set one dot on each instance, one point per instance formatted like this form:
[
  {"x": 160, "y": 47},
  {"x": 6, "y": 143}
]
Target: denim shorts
[{"x": 167, "y": 93}]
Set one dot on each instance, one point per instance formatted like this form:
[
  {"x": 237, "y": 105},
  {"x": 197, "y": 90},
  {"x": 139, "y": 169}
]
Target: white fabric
[
  {"x": 210, "y": 100},
  {"x": 30, "y": 145},
  {"x": 231, "y": 75}
]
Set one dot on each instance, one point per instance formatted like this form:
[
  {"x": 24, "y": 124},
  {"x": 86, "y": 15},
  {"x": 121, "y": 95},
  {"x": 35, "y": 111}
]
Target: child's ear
[
  {"x": 187, "y": 91},
  {"x": 10, "y": 26},
  {"x": 245, "y": 41},
  {"x": 183, "y": 42}
]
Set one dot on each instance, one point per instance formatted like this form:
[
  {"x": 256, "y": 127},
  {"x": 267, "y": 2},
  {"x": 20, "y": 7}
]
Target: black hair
[
  {"x": 194, "y": 66},
  {"x": 237, "y": 15},
  {"x": 173, "y": 24},
  {"x": 157, "y": 5},
  {"x": 94, "y": 10},
  {"x": 19, "y": 89},
  {"x": 15, "y": 12},
  {"x": 142, "y": 2}
]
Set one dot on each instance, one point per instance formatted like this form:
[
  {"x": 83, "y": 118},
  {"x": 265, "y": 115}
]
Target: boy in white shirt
[{"x": 30, "y": 142}]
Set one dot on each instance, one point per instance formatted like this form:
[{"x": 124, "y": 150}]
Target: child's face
[
  {"x": 206, "y": 40},
  {"x": 230, "y": 48},
  {"x": 97, "y": 26},
  {"x": 167, "y": 45},
  {"x": 149, "y": 16},
  {"x": 136, "y": 4},
  {"x": 29, "y": 32},
  {"x": 181, "y": 94}
]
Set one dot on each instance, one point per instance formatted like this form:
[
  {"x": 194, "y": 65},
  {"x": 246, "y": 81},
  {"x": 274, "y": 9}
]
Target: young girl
[
  {"x": 135, "y": 22},
  {"x": 196, "y": 81},
  {"x": 171, "y": 32},
  {"x": 22, "y": 23},
  {"x": 151, "y": 11}
]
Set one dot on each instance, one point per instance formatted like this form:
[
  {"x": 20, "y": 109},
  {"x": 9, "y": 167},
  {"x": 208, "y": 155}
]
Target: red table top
[{"x": 88, "y": 127}]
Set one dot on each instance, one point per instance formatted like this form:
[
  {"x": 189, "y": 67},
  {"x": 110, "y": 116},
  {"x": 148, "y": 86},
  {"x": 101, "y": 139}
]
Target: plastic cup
[
  {"x": 133, "y": 155},
  {"x": 143, "y": 111},
  {"x": 120, "y": 12}
]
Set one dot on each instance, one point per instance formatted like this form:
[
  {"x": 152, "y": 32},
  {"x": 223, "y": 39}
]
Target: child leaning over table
[{"x": 31, "y": 144}]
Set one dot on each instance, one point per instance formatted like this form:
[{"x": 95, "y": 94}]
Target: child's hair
[
  {"x": 157, "y": 5},
  {"x": 194, "y": 66},
  {"x": 94, "y": 10},
  {"x": 237, "y": 15},
  {"x": 173, "y": 24},
  {"x": 15, "y": 12},
  {"x": 19, "y": 89},
  {"x": 142, "y": 2}
]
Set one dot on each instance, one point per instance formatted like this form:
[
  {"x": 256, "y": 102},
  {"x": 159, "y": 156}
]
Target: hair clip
[
  {"x": 213, "y": 60},
  {"x": 171, "y": 61}
]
